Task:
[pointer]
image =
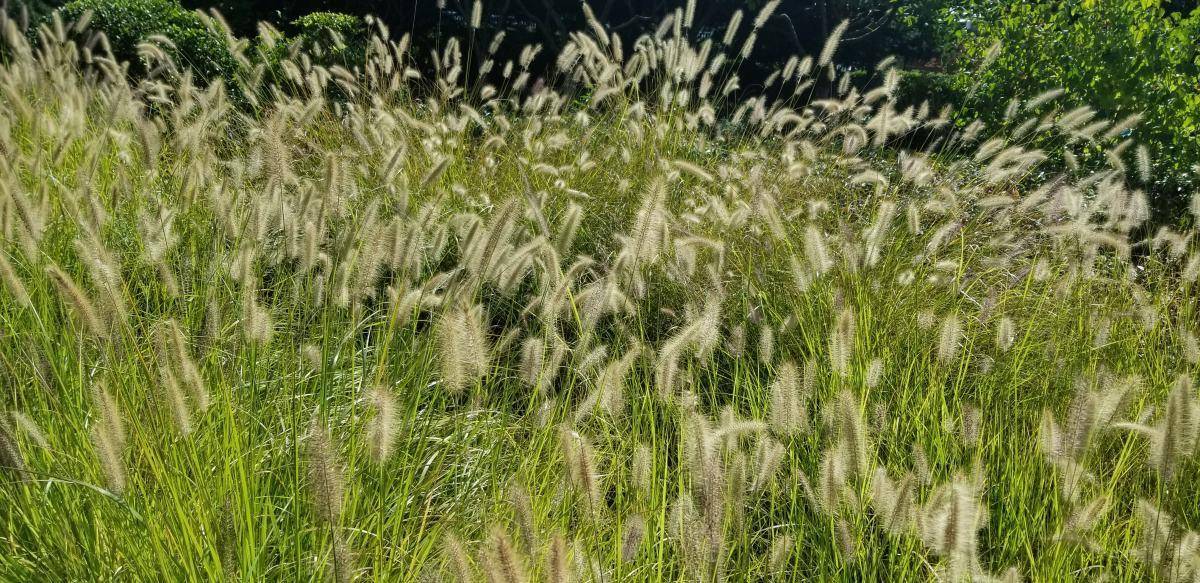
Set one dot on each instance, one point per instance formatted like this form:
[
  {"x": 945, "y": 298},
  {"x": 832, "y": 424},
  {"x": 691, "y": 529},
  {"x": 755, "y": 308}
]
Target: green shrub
[
  {"x": 343, "y": 24},
  {"x": 935, "y": 87},
  {"x": 329, "y": 38},
  {"x": 342, "y": 37},
  {"x": 1123, "y": 57},
  {"x": 128, "y": 22}
]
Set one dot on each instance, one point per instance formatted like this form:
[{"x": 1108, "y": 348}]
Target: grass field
[{"x": 613, "y": 326}]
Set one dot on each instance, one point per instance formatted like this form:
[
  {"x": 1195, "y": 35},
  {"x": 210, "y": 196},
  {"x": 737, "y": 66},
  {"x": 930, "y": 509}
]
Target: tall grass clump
[{"x": 426, "y": 317}]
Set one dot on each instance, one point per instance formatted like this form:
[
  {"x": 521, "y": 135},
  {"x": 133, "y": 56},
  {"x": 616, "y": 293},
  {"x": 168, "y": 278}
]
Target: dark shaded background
[{"x": 879, "y": 28}]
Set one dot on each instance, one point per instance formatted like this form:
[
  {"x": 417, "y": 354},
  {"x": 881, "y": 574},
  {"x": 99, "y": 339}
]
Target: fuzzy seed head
[
  {"x": 382, "y": 428},
  {"x": 324, "y": 475},
  {"x": 949, "y": 339}
]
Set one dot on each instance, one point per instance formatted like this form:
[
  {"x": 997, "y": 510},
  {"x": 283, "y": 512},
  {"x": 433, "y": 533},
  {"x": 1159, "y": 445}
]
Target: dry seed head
[
  {"x": 642, "y": 470},
  {"x": 557, "y": 569},
  {"x": 553, "y": 362},
  {"x": 879, "y": 417},
  {"x": 634, "y": 532},
  {"x": 381, "y": 429},
  {"x": 1109, "y": 400},
  {"x": 1042, "y": 98},
  {"x": 581, "y": 469},
  {"x": 767, "y": 459},
  {"x": 175, "y": 399},
  {"x": 434, "y": 173},
  {"x": 801, "y": 482},
  {"x": 456, "y": 560},
  {"x": 105, "y": 272},
  {"x": 589, "y": 568},
  {"x": 731, "y": 29},
  {"x": 1191, "y": 271},
  {"x": 476, "y": 14},
  {"x": 1177, "y": 431},
  {"x": 1005, "y": 333},
  {"x": 874, "y": 373},
  {"x": 1082, "y": 421},
  {"x": 913, "y": 218},
  {"x": 1051, "y": 436},
  {"x": 766, "y": 343},
  {"x": 788, "y": 411},
  {"x": 12, "y": 282},
  {"x": 343, "y": 558},
  {"x": 1157, "y": 529},
  {"x": 816, "y": 250},
  {"x": 501, "y": 562},
  {"x": 256, "y": 321},
  {"x": 568, "y": 227},
  {"x": 1166, "y": 548},
  {"x": 949, "y": 523},
  {"x": 79, "y": 302},
  {"x": 808, "y": 382},
  {"x": 110, "y": 449},
  {"x": 920, "y": 462},
  {"x": 949, "y": 338},
  {"x": 191, "y": 378},
  {"x": 11, "y": 460},
  {"x": 1119, "y": 128},
  {"x": 31, "y": 429},
  {"x": 841, "y": 342},
  {"x": 765, "y": 14},
  {"x": 518, "y": 498},
  {"x": 893, "y": 502},
  {"x": 1082, "y": 521},
  {"x": 592, "y": 360},
  {"x": 736, "y": 344},
  {"x": 780, "y": 554},
  {"x": 533, "y": 351},
  {"x": 685, "y": 525},
  {"x": 832, "y": 481},
  {"x": 647, "y": 237},
  {"x": 694, "y": 170},
  {"x": 109, "y": 438},
  {"x": 877, "y": 234},
  {"x": 852, "y": 430},
  {"x": 748, "y": 45},
  {"x": 666, "y": 373},
  {"x": 227, "y": 542},
  {"x": 970, "y": 426},
  {"x": 324, "y": 474},
  {"x": 1143, "y": 163},
  {"x": 831, "y": 44},
  {"x": 1191, "y": 347},
  {"x": 462, "y": 348},
  {"x": 611, "y": 382}
]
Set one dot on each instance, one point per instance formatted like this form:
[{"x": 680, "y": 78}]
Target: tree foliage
[{"x": 1122, "y": 57}]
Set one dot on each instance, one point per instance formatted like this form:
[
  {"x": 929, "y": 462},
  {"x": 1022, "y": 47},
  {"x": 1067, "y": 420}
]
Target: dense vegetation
[
  {"x": 350, "y": 311},
  {"x": 1121, "y": 57}
]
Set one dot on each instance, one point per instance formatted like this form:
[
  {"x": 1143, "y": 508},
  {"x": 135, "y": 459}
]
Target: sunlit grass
[{"x": 388, "y": 328}]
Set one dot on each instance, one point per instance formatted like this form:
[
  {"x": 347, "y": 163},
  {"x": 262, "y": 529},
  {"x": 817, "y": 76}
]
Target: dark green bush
[
  {"x": 343, "y": 24},
  {"x": 128, "y": 22},
  {"x": 342, "y": 38},
  {"x": 936, "y": 87}
]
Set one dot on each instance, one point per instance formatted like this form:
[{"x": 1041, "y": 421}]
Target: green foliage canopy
[
  {"x": 1122, "y": 57},
  {"x": 342, "y": 37},
  {"x": 129, "y": 22}
]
